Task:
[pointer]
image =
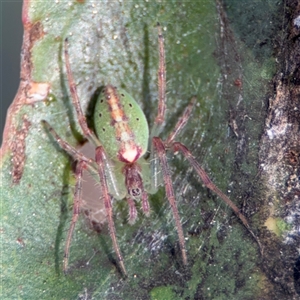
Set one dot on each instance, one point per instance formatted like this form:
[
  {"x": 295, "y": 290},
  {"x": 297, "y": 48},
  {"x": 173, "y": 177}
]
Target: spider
[{"x": 121, "y": 139}]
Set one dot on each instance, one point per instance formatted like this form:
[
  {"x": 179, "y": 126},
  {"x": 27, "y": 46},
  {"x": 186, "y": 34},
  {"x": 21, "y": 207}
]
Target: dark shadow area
[
  {"x": 91, "y": 108},
  {"x": 110, "y": 255},
  {"x": 297, "y": 276},
  {"x": 11, "y": 41},
  {"x": 259, "y": 19}
]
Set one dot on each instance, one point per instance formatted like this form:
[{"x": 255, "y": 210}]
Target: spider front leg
[
  {"x": 75, "y": 100},
  {"x": 161, "y": 111}
]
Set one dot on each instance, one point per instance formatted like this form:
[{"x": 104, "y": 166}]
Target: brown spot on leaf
[
  {"x": 18, "y": 147},
  {"x": 33, "y": 33},
  {"x": 36, "y": 32},
  {"x": 28, "y": 91}
]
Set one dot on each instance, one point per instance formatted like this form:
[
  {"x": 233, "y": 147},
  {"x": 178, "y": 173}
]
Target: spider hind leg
[
  {"x": 100, "y": 159},
  {"x": 76, "y": 211}
]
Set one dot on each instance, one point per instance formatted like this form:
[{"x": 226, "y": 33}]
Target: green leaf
[{"x": 116, "y": 42}]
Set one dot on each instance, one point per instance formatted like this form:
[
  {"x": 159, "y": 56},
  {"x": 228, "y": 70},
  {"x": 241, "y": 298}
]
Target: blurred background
[{"x": 11, "y": 32}]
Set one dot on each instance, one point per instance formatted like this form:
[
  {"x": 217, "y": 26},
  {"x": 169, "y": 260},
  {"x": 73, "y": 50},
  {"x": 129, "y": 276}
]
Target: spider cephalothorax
[{"x": 121, "y": 139}]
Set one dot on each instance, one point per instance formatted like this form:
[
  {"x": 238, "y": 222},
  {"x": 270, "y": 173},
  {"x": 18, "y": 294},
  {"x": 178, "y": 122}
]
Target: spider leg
[
  {"x": 154, "y": 163},
  {"x": 181, "y": 122},
  {"x": 161, "y": 112},
  {"x": 161, "y": 152},
  {"x": 87, "y": 132},
  {"x": 132, "y": 211},
  {"x": 64, "y": 145},
  {"x": 75, "y": 99},
  {"x": 76, "y": 210},
  {"x": 94, "y": 168},
  {"x": 100, "y": 159},
  {"x": 208, "y": 183},
  {"x": 145, "y": 204},
  {"x": 91, "y": 164}
]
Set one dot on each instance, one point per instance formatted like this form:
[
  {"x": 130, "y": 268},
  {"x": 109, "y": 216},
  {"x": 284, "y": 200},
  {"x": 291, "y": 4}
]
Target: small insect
[{"x": 121, "y": 139}]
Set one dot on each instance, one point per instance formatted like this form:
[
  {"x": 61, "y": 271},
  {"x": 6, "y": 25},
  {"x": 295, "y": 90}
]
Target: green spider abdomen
[{"x": 121, "y": 125}]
